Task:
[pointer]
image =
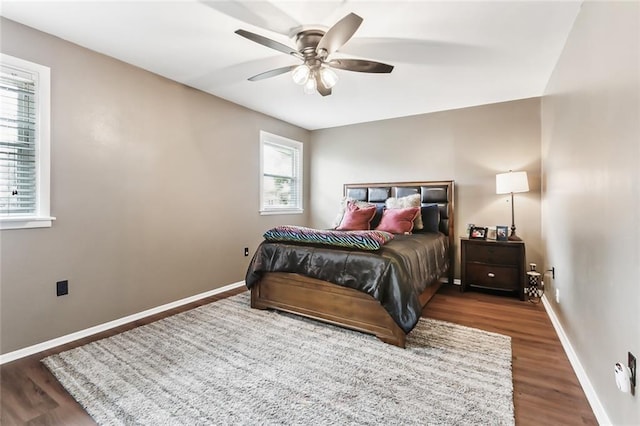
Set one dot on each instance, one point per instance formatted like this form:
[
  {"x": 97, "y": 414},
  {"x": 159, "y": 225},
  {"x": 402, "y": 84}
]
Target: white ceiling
[{"x": 447, "y": 54}]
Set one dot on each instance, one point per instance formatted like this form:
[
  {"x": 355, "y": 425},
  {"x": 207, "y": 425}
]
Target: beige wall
[
  {"x": 155, "y": 187},
  {"x": 591, "y": 202},
  {"x": 467, "y": 145}
]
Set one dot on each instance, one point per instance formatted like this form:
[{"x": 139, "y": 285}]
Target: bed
[{"x": 388, "y": 310}]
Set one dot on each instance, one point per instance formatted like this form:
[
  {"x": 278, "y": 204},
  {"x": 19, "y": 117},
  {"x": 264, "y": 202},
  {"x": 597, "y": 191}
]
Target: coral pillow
[
  {"x": 413, "y": 200},
  {"x": 356, "y": 218},
  {"x": 398, "y": 221},
  {"x": 343, "y": 208}
]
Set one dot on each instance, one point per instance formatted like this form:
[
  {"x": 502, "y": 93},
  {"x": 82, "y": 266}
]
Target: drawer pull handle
[{"x": 491, "y": 274}]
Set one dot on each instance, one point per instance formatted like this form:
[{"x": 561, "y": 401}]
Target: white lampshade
[
  {"x": 310, "y": 86},
  {"x": 511, "y": 182},
  {"x": 300, "y": 75},
  {"x": 328, "y": 76}
]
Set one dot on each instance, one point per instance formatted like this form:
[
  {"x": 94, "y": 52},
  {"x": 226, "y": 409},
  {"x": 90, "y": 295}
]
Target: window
[
  {"x": 24, "y": 144},
  {"x": 280, "y": 174}
]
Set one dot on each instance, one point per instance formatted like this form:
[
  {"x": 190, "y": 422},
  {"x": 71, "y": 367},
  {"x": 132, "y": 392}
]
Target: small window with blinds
[
  {"x": 24, "y": 144},
  {"x": 281, "y": 175}
]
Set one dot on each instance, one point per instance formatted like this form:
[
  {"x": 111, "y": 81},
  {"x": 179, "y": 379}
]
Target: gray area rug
[{"x": 225, "y": 363}]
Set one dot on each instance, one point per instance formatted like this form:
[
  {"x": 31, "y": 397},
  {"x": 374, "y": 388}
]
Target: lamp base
[{"x": 513, "y": 236}]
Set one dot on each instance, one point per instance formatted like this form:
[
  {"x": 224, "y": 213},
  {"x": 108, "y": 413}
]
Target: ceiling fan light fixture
[
  {"x": 328, "y": 76},
  {"x": 300, "y": 74},
  {"x": 310, "y": 86},
  {"x": 313, "y": 47}
]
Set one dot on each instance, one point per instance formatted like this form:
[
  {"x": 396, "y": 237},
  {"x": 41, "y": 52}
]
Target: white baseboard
[
  {"x": 592, "y": 397},
  {"x": 30, "y": 350}
]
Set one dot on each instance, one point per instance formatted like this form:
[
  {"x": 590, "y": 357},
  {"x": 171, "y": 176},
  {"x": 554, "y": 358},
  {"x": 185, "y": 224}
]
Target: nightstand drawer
[
  {"x": 493, "y": 254},
  {"x": 489, "y": 276}
]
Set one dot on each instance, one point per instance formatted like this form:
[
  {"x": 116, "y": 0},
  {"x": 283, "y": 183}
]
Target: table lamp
[{"x": 510, "y": 183}]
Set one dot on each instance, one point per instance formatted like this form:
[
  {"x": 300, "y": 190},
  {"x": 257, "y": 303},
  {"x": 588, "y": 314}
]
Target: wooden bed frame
[{"x": 346, "y": 307}]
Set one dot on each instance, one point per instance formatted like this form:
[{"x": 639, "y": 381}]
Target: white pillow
[{"x": 412, "y": 200}]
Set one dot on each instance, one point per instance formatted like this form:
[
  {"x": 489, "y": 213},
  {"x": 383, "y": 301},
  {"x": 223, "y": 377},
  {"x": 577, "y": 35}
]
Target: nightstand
[{"x": 493, "y": 265}]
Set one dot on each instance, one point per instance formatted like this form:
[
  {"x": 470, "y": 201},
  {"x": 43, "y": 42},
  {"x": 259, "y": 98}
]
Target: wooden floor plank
[{"x": 546, "y": 390}]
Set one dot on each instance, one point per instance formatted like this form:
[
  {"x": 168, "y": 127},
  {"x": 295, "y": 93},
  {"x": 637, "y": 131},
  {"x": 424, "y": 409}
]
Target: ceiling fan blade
[
  {"x": 360, "y": 65},
  {"x": 321, "y": 88},
  {"x": 272, "y": 73},
  {"x": 339, "y": 34},
  {"x": 269, "y": 43},
  {"x": 261, "y": 14}
]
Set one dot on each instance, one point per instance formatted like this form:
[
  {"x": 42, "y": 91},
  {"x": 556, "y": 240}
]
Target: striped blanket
[{"x": 363, "y": 240}]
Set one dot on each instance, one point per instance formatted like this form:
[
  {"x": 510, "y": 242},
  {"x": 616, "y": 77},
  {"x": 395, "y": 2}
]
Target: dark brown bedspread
[{"x": 395, "y": 275}]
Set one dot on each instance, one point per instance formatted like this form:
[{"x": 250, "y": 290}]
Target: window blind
[
  {"x": 281, "y": 180},
  {"x": 18, "y": 168}
]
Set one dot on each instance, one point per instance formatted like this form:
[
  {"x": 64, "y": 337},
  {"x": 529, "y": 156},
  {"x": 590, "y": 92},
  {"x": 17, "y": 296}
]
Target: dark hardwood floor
[{"x": 546, "y": 390}]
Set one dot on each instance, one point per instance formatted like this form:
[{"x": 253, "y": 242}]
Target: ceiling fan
[{"x": 314, "y": 47}]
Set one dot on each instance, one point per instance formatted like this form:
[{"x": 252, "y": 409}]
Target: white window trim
[
  {"x": 42, "y": 218},
  {"x": 269, "y": 137}
]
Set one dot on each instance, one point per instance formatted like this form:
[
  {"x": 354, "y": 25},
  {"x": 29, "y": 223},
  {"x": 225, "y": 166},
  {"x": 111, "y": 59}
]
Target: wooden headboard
[{"x": 432, "y": 192}]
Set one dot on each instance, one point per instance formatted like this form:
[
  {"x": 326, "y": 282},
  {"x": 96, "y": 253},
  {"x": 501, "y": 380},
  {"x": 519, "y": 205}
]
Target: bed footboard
[{"x": 330, "y": 303}]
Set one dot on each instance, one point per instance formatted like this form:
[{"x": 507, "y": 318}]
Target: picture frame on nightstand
[
  {"x": 477, "y": 233},
  {"x": 502, "y": 233}
]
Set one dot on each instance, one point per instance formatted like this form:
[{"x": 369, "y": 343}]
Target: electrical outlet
[
  {"x": 246, "y": 251},
  {"x": 632, "y": 367},
  {"x": 557, "y": 295},
  {"x": 62, "y": 288}
]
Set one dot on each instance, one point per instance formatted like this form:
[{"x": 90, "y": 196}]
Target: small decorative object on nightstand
[
  {"x": 478, "y": 233},
  {"x": 502, "y": 232},
  {"x": 493, "y": 265},
  {"x": 535, "y": 287}
]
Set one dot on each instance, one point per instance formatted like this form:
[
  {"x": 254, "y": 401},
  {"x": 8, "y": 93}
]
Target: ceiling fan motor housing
[{"x": 307, "y": 42}]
